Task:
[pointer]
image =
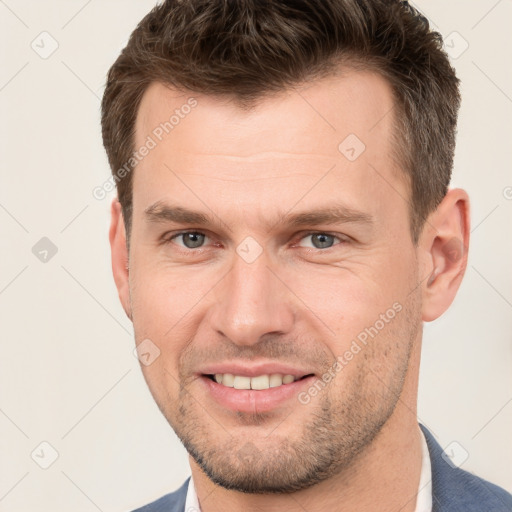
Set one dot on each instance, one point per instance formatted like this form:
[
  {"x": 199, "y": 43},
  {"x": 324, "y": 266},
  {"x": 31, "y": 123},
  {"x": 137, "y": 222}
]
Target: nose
[{"x": 251, "y": 302}]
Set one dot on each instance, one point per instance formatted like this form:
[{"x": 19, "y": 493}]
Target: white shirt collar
[
  {"x": 423, "y": 500},
  {"x": 424, "y": 496},
  {"x": 192, "y": 503}
]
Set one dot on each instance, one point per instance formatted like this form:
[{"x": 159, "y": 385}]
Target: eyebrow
[
  {"x": 160, "y": 212},
  {"x": 337, "y": 214}
]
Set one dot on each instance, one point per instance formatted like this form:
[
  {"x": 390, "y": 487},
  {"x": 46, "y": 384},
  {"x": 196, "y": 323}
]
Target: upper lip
[{"x": 249, "y": 369}]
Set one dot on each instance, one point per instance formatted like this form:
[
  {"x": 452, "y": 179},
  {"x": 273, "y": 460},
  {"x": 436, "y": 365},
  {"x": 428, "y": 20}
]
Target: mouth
[
  {"x": 258, "y": 383},
  {"x": 254, "y": 389}
]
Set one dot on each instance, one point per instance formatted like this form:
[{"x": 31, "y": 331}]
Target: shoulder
[
  {"x": 172, "y": 502},
  {"x": 454, "y": 489}
]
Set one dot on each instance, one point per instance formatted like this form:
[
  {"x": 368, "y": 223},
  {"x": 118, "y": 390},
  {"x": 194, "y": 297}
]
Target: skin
[{"x": 357, "y": 442}]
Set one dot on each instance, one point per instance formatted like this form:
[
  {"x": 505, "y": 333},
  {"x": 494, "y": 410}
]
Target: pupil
[
  {"x": 193, "y": 240},
  {"x": 321, "y": 240}
]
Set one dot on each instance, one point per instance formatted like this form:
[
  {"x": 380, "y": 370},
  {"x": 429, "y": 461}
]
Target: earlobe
[
  {"x": 119, "y": 252},
  {"x": 445, "y": 240}
]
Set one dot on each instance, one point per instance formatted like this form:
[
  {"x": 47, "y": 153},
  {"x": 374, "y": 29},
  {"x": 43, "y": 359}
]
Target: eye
[
  {"x": 319, "y": 240},
  {"x": 189, "y": 239}
]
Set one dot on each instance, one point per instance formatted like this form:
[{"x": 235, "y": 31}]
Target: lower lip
[{"x": 255, "y": 401}]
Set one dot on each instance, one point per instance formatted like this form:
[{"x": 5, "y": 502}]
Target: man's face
[{"x": 268, "y": 243}]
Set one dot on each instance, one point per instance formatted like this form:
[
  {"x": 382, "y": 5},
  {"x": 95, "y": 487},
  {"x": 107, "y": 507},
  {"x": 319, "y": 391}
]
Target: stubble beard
[
  {"x": 324, "y": 444},
  {"x": 264, "y": 455}
]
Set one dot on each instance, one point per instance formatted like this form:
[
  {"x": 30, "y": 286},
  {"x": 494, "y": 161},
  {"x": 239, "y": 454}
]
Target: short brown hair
[{"x": 245, "y": 49}]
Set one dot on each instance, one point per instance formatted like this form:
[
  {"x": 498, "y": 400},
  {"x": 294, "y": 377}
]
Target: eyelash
[
  {"x": 338, "y": 237},
  {"x": 168, "y": 239},
  {"x": 341, "y": 240}
]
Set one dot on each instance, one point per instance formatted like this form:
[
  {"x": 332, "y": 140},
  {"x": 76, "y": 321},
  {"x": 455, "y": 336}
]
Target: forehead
[
  {"x": 286, "y": 143},
  {"x": 314, "y": 116}
]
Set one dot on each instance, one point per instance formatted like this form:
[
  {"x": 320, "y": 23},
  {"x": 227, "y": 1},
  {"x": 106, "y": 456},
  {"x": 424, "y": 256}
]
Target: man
[{"x": 283, "y": 229}]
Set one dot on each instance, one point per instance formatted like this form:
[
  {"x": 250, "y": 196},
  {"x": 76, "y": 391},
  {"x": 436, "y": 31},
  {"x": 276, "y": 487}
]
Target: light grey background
[{"x": 68, "y": 376}]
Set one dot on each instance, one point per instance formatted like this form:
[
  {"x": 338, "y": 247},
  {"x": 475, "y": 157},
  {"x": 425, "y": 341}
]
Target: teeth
[
  {"x": 228, "y": 380},
  {"x": 242, "y": 382},
  {"x": 260, "y": 382},
  {"x": 276, "y": 380}
]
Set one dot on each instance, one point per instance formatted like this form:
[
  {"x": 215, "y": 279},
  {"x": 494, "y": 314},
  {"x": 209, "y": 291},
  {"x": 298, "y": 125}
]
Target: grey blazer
[{"x": 453, "y": 489}]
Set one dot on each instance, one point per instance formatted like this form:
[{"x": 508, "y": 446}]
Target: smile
[
  {"x": 259, "y": 391},
  {"x": 259, "y": 382}
]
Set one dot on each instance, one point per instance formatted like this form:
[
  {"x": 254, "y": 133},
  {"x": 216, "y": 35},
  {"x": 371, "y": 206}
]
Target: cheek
[
  {"x": 164, "y": 298},
  {"x": 344, "y": 299},
  {"x": 163, "y": 307}
]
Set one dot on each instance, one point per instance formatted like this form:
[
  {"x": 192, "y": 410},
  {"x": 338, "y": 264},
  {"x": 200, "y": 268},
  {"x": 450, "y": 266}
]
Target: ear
[
  {"x": 119, "y": 250},
  {"x": 444, "y": 243}
]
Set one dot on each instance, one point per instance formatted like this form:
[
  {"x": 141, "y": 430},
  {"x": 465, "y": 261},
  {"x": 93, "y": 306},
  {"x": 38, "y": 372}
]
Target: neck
[{"x": 384, "y": 477}]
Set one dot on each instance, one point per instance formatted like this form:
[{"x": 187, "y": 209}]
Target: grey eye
[
  {"x": 192, "y": 240},
  {"x": 319, "y": 241},
  {"x": 322, "y": 240}
]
